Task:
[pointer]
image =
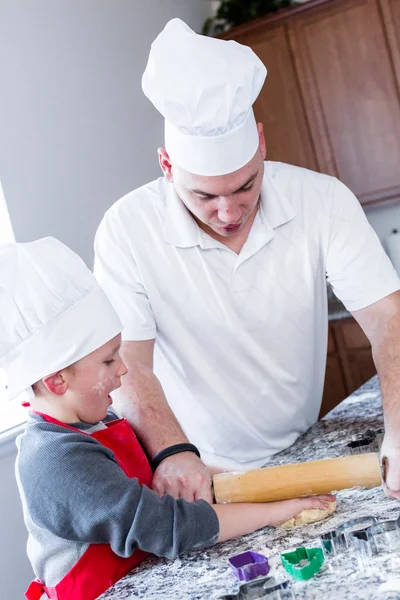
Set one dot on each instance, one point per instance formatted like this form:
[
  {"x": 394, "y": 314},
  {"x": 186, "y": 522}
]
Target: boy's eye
[
  {"x": 108, "y": 362},
  {"x": 248, "y": 188}
]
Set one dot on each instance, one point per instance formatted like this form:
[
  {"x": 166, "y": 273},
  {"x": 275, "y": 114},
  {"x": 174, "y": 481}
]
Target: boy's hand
[
  {"x": 286, "y": 509},
  {"x": 183, "y": 475}
]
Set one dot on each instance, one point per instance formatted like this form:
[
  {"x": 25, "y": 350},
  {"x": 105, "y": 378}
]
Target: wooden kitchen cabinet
[
  {"x": 331, "y": 101},
  {"x": 349, "y": 362},
  {"x": 335, "y": 389},
  {"x": 349, "y": 85},
  {"x": 280, "y": 107}
]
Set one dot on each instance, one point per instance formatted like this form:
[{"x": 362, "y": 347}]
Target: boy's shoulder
[{"x": 45, "y": 443}]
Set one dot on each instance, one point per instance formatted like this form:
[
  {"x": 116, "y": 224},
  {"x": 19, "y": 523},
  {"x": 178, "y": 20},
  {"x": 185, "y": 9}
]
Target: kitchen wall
[
  {"x": 76, "y": 134},
  {"x": 76, "y": 130},
  {"x": 383, "y": 220},
  {"x": 15, "y": 570}
]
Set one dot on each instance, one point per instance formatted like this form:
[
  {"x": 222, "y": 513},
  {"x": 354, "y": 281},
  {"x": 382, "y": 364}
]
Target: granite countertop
[{"x": 205, "y": 575}]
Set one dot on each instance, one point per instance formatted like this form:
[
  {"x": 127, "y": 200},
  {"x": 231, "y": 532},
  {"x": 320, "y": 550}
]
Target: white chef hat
[
  {"x": 205, "y": 88},
  {"x": 52, "y": 311}
]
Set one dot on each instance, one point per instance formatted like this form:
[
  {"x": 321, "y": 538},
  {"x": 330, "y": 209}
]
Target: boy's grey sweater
[{"x": 74, "y": 494}]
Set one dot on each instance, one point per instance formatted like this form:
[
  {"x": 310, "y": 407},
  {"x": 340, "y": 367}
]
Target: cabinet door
[
  {"x": 348, "y": 80},
  {"x": 279, "y": 106},
  {"x": 361, "y": 366},
  {"x": 335, "y": 388},
  {"x": 356, "y": 354},
  {"x": 391, "y": 17},
  {"x": 353, "y": 335}
]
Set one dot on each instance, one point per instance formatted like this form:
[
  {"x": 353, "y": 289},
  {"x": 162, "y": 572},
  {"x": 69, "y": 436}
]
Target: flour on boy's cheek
[{"x": 99, "y": 388}]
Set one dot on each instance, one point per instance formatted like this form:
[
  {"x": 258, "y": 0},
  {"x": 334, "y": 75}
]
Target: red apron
[{"x": 99, "y": 567}]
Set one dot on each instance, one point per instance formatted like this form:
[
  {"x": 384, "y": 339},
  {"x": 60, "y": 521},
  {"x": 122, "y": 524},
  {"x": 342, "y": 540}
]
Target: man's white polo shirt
[{"x": 241, "y": 339}]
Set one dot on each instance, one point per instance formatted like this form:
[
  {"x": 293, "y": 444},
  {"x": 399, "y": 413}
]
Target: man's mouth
[{"x": 232, "y": 228}]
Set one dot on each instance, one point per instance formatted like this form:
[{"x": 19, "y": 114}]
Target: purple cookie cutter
[{"x": 249, "y": 565}]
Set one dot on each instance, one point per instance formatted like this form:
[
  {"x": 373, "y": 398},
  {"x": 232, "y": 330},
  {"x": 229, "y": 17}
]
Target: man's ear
[
  {"x": 262, "y": 144},
  {"x": 55, "y": 383},
  {"x": 165, "y": 164}
]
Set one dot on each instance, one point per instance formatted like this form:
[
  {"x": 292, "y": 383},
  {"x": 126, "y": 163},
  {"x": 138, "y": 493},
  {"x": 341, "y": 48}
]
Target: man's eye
[
  {"x": 248, "y": 188},
  {"x": 108, "y": 362}
]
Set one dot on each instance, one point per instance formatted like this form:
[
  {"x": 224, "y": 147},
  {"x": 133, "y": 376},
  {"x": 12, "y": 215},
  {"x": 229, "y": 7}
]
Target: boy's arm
[
  {"x": 240, "y": 519},
  {"x": 86, "y": 497}
]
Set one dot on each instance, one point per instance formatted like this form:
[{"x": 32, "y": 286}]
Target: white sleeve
[
  {"x": 357, "y": 266},
  {"x": 116, "y": 271}
]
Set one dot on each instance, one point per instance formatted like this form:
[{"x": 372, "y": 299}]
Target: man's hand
[
  {"x": 390, "y": 455},
  {"x": 183, "y": 475}
]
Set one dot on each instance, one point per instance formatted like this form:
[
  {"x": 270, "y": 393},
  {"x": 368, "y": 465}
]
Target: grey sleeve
[{"x": 75, "y": 489}]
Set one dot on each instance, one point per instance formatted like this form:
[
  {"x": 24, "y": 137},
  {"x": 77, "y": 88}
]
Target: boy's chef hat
[
  {"x": 205, "y": 89},
  {"x": 52, "y": 311}
]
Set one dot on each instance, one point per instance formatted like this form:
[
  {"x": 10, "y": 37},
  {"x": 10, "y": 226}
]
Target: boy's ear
[{"x": 55, "y": 383}]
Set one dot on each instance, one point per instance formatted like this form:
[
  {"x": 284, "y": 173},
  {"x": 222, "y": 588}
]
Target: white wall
[
  {"x": 76, "y": 133},
  {"x": 76, "y": 130}
]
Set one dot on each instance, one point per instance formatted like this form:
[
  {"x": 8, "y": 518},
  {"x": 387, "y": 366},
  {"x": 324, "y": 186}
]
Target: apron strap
[{"x": 36, "y": 590}]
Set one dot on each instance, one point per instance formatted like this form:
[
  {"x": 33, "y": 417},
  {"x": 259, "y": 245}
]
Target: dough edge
[{"x": 308, "y": 516}]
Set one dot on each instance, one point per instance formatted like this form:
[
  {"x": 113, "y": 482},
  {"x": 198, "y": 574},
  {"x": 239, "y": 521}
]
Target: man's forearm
[
  {"x": 142, "y": 402},
  {"x": 386, "y": 354},
  {"x": 381, "y": 323}
]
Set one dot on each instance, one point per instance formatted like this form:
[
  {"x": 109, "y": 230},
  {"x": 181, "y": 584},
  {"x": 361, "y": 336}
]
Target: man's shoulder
[
  {"x": 148, "y": 198},
  {"x": 307, "y": 191},
  {"x": 284, "y": 171}
]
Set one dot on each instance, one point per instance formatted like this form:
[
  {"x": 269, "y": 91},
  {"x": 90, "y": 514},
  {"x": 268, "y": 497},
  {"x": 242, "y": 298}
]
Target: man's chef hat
[
  {"x": 205, "y": 89},
  {"x": 52, "y": 311}
]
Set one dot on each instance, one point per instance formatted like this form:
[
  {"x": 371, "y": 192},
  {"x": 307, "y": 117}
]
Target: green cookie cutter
[{"x": 292, "y": 562}]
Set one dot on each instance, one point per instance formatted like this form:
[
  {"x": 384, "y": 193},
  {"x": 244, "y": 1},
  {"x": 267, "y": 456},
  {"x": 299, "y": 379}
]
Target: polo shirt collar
[{"x": 181, "y": 229}]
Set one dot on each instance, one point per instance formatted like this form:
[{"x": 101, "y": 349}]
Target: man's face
[
  {"x": 92, "y": 379},
  {"x": 224, "y": 204}
]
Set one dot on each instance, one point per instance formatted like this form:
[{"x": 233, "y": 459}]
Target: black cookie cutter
[
  {"x": 262, "y": 589},
  {"x": 369, "y": 441}
]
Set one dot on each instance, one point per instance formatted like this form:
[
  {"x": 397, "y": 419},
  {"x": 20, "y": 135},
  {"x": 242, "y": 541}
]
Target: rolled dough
[{"x": 311, "y": 515}]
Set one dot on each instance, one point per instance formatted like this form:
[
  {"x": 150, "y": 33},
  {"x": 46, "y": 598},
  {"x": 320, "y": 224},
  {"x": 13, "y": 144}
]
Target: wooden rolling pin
[{"x": 299, "y": 479}]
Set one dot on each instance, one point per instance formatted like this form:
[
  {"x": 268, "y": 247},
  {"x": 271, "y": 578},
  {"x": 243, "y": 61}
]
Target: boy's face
[{"x": 92, "y": 379}]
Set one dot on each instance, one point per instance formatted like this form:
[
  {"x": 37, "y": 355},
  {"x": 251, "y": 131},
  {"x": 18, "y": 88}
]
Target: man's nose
[
  {"x": 228, "y": 210},
  {"x": 123, "y": 369}
]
